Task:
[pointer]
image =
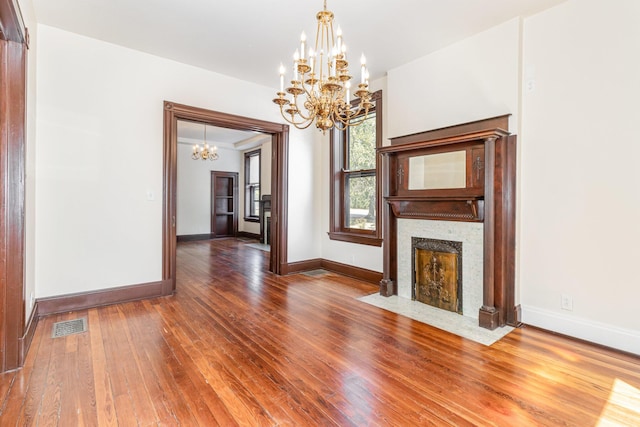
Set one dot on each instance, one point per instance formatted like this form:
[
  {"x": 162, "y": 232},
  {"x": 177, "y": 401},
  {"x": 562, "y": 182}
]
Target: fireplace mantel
[
  {"x": 443, "y": 208},
  {"x": 486, "y": 194}
]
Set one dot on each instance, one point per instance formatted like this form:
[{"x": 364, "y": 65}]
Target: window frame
[
  {"x": 338, "y": 229},
  {"x": 249, "y": 188}
]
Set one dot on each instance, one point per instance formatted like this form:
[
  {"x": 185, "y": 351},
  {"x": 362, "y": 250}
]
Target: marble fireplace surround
[
  {"x": 470, "y": 234},
  {"x": 482, "y": 214}
]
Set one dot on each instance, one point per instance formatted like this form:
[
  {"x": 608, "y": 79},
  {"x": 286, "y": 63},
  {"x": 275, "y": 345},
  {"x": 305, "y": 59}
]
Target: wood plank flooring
[{"x": 239, "y": 346}]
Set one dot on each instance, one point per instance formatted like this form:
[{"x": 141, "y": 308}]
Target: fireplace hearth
[{"x": 437, "y": 273}]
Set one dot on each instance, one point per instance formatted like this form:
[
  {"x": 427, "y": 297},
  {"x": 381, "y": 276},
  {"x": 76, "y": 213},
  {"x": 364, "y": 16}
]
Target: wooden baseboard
[
  {"x": 249, "y": 235},
  {"x": 359, "y": 273},
  {"x": 86, "y": 300},
  {"x": 30, "y": 330},
  {"x": 301, "y": 266},
  {"x": 363, "y": 274},
  {"x": 194, "y": 237}
]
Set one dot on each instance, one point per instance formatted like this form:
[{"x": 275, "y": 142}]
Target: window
[
  {"x": 252, "y": 186},
  {"x": 355, "y": 190}
]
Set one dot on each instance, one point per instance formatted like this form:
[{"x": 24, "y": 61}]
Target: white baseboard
[{"x": 600, "y": 333}]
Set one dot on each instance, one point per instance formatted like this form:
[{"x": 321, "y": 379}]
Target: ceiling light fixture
[
  {"x": 321, "y": 82},
  {"x": 205, "y": 152}
]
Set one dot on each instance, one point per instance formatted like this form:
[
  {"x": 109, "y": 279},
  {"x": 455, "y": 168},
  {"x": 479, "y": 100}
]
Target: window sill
[
  {"x": 361, "y": 239},
  {"x": 251, "y": 219}
]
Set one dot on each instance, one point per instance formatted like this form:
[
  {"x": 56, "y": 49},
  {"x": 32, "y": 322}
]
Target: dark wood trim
[
  {"x": 247, "y": 162},
  {"x": 337, "y": 154},
  {"x": 362, "y": 239},
  {"x": 279, "y": 200},
  {"x": 302, "y": 266},
  {"x": 468, "y": 209},
  {"x": 194, "y": 237},
  {"x": 13, "y": 56},
  {"x": 11, "y": 23},
  {"x": 354, "y": 272},
  {"x": 505, "y": 214},
  {"x": 489, "y": 317},
  {"x": 99, "y": 298},
  {"x": 490, "y": 124},
  {"x": 370, "y": 276},
  {"x": 30, "y": 330},
  {"x": 249, "y": 235},
  {"x": 279, "y": 182}
]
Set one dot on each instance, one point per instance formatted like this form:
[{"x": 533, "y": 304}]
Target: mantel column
[
  {"x": 389, "y": 247},
  {"x": 489, "y": 316}
]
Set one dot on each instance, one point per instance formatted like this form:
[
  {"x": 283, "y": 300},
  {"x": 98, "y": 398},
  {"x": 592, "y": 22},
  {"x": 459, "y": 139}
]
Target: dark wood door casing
[
  {"x": 279, "y": 176},
  {"x": 13, "y": 66}
]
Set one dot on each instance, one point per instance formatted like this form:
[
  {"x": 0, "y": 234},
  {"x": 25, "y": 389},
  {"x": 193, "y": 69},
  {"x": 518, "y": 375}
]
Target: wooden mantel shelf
[{"x": 468, "y": 209}]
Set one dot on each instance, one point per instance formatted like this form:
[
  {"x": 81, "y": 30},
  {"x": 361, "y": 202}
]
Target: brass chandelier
[
  {"x": 204, "y": 152},
  {"x": 320, "y": 90}
]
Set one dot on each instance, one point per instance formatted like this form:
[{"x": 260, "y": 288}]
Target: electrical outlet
[
  {"x": 33, "y": 299},
  {"x": 566, "y": 302}
]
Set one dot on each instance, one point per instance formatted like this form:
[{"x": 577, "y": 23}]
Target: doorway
[
  {"x": 279, "y": 134},
  {"x": 224, "y": 204}
]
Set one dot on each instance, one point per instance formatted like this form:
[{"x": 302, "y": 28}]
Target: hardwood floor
[{"x": 238, "y": 346}]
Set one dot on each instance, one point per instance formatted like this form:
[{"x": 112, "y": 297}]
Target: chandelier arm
[
  {"x": 299, "y": 125},
  {"x": 312, "y": 113}
]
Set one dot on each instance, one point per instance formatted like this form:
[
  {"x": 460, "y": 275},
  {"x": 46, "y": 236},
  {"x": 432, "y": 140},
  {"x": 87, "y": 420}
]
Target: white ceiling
[{"x": 248, "y": 39}]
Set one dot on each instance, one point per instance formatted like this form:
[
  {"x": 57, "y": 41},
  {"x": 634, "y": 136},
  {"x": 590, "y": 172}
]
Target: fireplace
[
  {"x": 480, "y": 159},
  {"x": 437, "y": 273}
]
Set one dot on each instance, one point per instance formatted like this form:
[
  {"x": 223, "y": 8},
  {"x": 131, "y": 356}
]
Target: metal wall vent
[
  {"x": 69, "y": 327},
  {"x": 315, "y": 273}
]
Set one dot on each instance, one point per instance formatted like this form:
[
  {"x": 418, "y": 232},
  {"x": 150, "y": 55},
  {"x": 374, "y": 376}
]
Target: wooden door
[{"x": 224, "y": 204}]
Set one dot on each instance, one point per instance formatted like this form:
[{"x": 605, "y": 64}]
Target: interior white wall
[
  {"x": 304, "y": 210},
  {"x": 193, "y": 204},
  {"x": 28, "y": 14},
  {"x": 99, "y": 153},
  {"x": 579, "y": 172},
  {"x": 473, "y": 79}
]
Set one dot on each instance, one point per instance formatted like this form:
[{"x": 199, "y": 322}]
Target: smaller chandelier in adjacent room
[
  {"x": 320, "y": 90},
  {"x": 205, "y": 152}
]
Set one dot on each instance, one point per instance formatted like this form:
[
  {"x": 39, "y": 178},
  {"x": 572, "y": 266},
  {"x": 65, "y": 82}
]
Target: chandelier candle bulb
[
  {"x": 281, "y": 77},
  {"x": 303, "y": 39},
  {"x": 312, "y": 57},
  {"x": 363, "y": 68}
]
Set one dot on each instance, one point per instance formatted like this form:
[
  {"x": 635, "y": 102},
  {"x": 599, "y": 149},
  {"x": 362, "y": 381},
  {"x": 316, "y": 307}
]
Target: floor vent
[
  {"x": 69, "y": 327},
  {"x": 315, "y": 273}
]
